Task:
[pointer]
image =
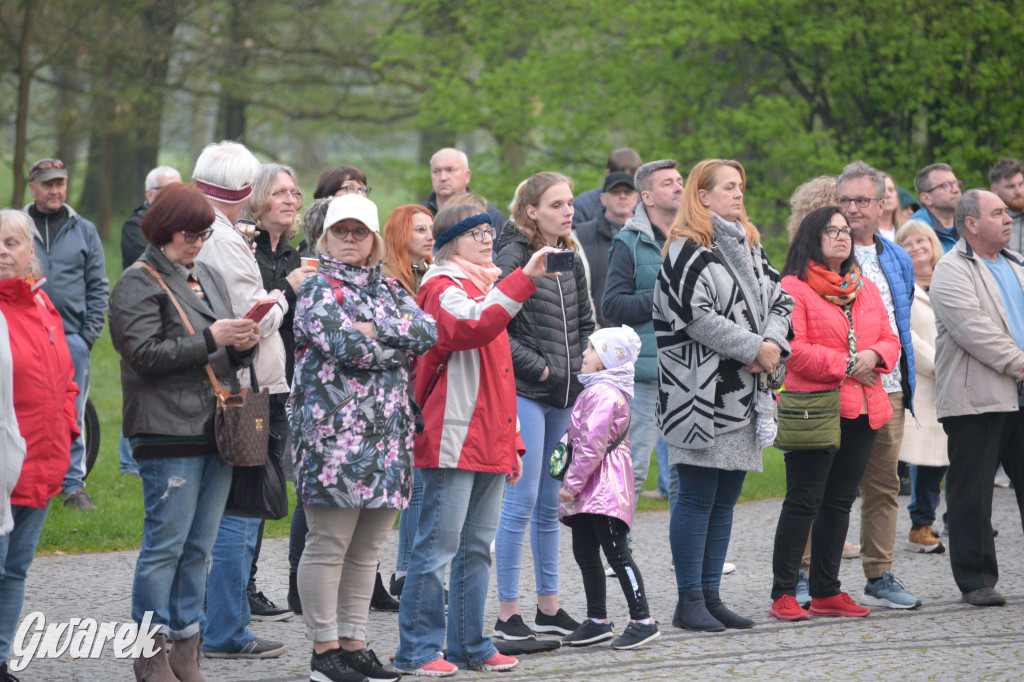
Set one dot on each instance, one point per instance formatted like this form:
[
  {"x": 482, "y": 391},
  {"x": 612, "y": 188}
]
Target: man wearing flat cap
[
  {"x": 71, "y": 258},
  {"x": 618, "y": 197}
]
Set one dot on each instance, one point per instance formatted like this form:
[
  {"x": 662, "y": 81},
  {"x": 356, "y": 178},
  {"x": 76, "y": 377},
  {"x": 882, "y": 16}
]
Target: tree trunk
[{"x": 21, "y": 117}]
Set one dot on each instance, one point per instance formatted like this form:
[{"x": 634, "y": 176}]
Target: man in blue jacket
[
  {"x": 71, "y": 255},
  {"x": 939, "y": 190},
  {"x": 860, "y": 191}
]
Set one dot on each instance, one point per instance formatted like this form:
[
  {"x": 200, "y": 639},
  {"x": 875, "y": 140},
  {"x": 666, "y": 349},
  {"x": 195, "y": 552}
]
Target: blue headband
[{"x": 460, "y": 228}]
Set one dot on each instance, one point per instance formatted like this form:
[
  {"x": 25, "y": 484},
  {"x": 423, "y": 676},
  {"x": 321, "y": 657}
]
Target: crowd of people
[{"x": 471, "y": 376}]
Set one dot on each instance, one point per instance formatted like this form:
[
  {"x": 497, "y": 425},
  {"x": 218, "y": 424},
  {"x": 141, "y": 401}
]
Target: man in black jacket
[
  {"x": 450, "y": 174},
  {"x": 132, "y": 241},
  {"x": 618, "y": 197}
]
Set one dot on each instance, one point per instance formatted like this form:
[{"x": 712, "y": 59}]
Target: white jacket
[
  {"x": 230, "y": 255},
  {"x": 12, "y": 445}
]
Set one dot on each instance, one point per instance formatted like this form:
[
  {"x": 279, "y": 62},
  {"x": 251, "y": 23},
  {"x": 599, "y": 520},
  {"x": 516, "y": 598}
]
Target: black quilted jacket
[{"x": 551, "y": 330}]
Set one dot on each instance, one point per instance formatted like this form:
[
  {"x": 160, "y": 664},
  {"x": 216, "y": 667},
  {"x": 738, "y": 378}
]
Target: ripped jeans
[{"x": 184, "y": 499}]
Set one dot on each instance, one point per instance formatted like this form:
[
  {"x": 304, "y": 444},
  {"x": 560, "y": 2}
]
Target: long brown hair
[
  {"x": 397, "y": 236},
  {"x": 693, "y": 221},
  {"x": 532, "y": 190}
]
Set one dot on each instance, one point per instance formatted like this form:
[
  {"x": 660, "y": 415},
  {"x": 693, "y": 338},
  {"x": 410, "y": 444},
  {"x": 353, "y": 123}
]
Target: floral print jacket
[{"x": 352, "y": 424}]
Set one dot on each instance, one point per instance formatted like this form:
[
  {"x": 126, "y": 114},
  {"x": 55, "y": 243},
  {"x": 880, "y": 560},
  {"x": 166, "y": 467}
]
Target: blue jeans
[
  {"x": 644, "y": 436},
  {"x": 183, "y": 499},
  {"x": 80, "y": 357},
  {"x": 227, "y": 605},
  {"x": 407, "y": 523},
  {"x": 925, "y": 494},
  {"x": 126, "y": 462},
  {"x": 456, "y": 523},
  {"x": 16, "y": 551},
  {"x": 701, "y": 524},
  {"x": 533, "y": 500}
]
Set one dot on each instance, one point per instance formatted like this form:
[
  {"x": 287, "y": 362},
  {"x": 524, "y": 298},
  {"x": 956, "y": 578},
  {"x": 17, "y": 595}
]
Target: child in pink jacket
[{"x": 596, "y": 498}]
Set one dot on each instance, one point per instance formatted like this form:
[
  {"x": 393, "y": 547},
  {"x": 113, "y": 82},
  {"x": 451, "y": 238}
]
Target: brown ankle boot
[
  {"x": 184, "y": 659},
  {"x": 157, "y": 668}
]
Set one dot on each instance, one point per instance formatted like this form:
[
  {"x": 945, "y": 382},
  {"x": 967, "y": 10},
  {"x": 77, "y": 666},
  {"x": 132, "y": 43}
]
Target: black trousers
[
  {"x": 275, "y": 448},
  {"x": 590, "y": 534},
  {"x": 978, "y": 444},
  {"x": 821, "y": 486}
]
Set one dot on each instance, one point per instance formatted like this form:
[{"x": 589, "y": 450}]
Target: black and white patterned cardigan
[{"x": 712, "y": 310}]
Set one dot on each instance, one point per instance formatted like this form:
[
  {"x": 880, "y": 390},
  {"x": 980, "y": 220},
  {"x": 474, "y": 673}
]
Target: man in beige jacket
[{"x": 978, "y": 295}]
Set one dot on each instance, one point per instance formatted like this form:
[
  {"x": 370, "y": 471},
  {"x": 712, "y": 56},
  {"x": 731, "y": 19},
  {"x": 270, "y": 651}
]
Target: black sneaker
[
  {"x": 513, "y": 629},
  {"x": 381, "y": 600},
  {"x": 637, "y": 634},
  {"x": 5, "y": 675},
  {"x": 264, "y": 609},
  {"x": 396, "y": 585},
  {"x": 333, "y": 666},
  {"x": 559, "y": 624},
  {"x": 365, "y": 662},
  {"x": 589, "y": 633}
]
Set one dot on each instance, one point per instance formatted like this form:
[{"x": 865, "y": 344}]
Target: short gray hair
[
  {"x": 859, "y": 169},
  {"x": 969, "y": 205},
  {"x": 921, "y": 179},
  {"x": 20, "y": 224},
  {"x": 154, "y": 176},
  {"x": 643, "y": 178},
  {"x": 226, "y": 164},
  {"x": 462, "y": 156},
  {"x": 313, "y": 222},
  {"x": 260, "y": 197}
]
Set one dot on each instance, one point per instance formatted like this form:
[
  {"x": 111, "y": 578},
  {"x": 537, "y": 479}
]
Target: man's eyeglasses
[
  {"x": 358, "y": 233},
  {"x": 355, "y": 189},
  {"x": 193, "y": 237},
  {"x": 482, "y": 234},
  {"x": 837, "y": 232},
  {"x": 948, "y": 186},
  {"x": 293, "y": 193},
  {"x": 862, "y": 202}
]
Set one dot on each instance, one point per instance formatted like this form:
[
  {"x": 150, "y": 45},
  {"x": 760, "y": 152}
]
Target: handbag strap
[
  {"x": 622, "y": 437},
  {"x": 184, "y": 318}
]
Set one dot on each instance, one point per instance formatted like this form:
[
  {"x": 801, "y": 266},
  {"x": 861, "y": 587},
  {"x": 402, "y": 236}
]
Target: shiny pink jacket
[{"x": 603, "y": 484}]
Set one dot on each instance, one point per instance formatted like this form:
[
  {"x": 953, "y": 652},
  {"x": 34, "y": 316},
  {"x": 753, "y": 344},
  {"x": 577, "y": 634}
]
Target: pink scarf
[{"x": 483, "y": 277}]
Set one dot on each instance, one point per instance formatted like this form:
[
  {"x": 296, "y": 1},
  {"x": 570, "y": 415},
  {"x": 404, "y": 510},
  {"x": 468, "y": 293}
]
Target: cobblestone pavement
[{"x": 942, "y": 640}]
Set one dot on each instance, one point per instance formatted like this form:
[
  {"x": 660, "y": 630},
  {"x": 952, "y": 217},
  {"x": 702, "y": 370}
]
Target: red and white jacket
[{"x": 470, "y": 414}]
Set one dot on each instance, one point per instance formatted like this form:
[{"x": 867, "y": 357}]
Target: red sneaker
[
  {"x": 839, "y": 605},
  {"x": 499, "y": 662},
  {"x": 787, "y": 607},
  {"x": 436, "y": 668}
]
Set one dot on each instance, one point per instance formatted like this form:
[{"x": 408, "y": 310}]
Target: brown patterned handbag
[{"x": 241, "y": 423}]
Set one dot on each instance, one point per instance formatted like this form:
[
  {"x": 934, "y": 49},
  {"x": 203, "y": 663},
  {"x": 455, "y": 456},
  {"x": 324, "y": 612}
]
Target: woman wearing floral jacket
[{"x": 352, "y": 428}]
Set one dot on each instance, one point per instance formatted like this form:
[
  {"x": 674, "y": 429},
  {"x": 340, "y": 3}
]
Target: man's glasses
[
  {"x": 862, "y": 202},
  {"x": 948, "y": 186},
  {"x": 293, "y": 193},
  {"x": 482, "y": 234},
  {"x": 193, "y": 237},
  {"x": 357, "y": 233},
  {"x": 837, "y": 232},
  {"x": 355, "y": 189}
]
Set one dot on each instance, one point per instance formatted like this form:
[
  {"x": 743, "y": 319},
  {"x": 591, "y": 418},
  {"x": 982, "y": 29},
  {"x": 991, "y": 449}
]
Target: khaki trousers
[{"x": 338, "y": 569}]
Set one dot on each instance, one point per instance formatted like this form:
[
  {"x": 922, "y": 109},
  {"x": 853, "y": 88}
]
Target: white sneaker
[
  {"x": 1002, "y": 480},
  {"x": 492, "y": 546},
  {"x": 728, "y": 568},
  {"x": 609, "y": 572}
]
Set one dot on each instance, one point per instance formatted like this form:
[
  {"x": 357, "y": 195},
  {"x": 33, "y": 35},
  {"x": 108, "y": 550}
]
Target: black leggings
[{"x": 591, "y": 532}]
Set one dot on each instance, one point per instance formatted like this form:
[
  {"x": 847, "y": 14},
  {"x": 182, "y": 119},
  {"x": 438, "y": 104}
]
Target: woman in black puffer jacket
[{"x": 548, "y": 337}]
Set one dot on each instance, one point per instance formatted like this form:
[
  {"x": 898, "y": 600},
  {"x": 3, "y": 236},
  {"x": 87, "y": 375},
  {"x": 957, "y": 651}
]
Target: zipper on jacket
[
  {"x": 333, "y": 411},
  {"x": 565, "y": 328}
]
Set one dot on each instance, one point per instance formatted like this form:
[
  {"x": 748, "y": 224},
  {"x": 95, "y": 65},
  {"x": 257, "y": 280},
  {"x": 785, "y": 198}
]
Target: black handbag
[{"x": 258, "y": 492}]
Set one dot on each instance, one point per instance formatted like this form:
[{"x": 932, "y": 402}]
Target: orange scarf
[{"x": 832, "y": 286}]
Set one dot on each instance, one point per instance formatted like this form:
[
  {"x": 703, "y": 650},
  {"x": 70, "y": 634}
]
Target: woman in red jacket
[
  {"x": 842, "y": 338},
  {"x": 469, "y": 447},
  {"x": 44, "y": 403}
]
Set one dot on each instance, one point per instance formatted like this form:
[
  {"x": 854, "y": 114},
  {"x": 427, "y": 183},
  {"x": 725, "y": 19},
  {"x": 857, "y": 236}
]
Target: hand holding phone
[
  {"x": 562, "y": 261},
  {"x": 260, "y": 309}
]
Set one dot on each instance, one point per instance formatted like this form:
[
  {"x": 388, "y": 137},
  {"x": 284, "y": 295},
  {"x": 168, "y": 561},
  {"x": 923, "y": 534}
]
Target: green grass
[{"x": 117, "y": 525}]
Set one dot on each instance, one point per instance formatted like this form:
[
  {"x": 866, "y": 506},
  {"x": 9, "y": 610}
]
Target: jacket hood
[
  {"x": 444, "y": 270},
  {"x": 640, "y": 222},
  {"x": 72, "y": 215},
  {"x": 510, "y": 234}
]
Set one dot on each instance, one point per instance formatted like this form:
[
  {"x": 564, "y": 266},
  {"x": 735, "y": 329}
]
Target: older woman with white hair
[
  {"x": 924, "y": 441},
  {"x": 352, "y": 431}
]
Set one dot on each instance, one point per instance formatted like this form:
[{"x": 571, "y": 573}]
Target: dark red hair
[{"x": 177, "y": 208}]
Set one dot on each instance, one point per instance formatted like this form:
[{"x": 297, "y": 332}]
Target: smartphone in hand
[{"x": 563, "y": 261}]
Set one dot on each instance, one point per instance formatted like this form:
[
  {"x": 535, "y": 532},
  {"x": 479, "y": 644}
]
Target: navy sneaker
[
  {"x": 636, "y": 635},
  {"x": 589, "y": 633}
]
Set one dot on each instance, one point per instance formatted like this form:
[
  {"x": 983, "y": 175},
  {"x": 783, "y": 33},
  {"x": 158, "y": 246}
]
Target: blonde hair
[
  {"x": 813, "y": 194},
  {"x": 20, "y": 225},
  {"x": 693, "y": 221},
  {"x": 914, "y": 228},
  {"x": 259, "y": 200}
]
